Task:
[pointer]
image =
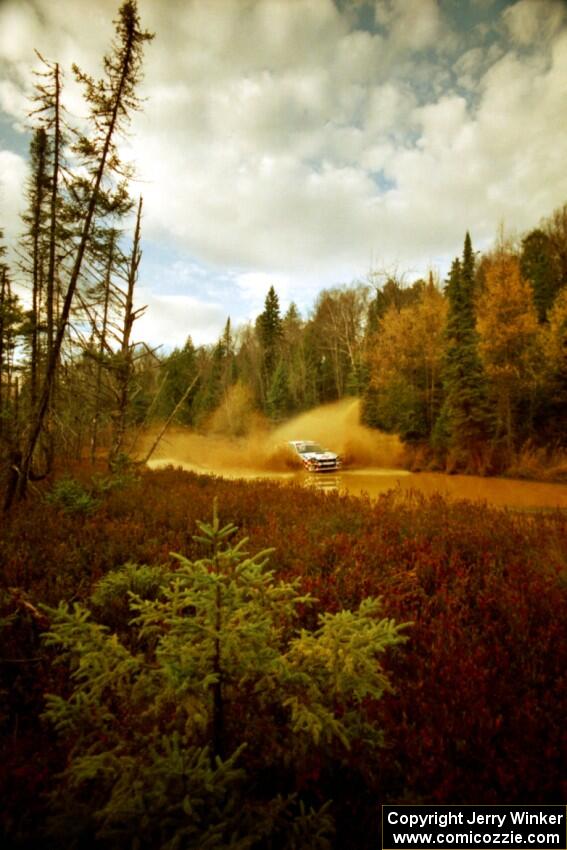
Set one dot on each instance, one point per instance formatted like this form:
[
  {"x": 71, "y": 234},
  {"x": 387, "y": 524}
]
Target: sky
[{"x": 307, "y": 143}]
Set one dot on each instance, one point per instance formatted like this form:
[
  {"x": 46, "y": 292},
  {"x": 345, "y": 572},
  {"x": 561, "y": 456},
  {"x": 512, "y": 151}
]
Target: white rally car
[{"x": 314, "y": 457}]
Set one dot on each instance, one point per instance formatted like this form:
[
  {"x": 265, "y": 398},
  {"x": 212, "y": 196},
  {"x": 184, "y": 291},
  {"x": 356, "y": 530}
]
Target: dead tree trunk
[
  {"x": 53, "y": 205},
  {"x": 102, "y": 348},
  {"x": 117, "y": 107},
  {"x": 124, "y": 368},
  {"x": 40, "y": 144},
  {"x": 170, "y": 419}
]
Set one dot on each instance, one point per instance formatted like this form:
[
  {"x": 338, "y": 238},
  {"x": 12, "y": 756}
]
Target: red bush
[{"x": 478, "y": 714}]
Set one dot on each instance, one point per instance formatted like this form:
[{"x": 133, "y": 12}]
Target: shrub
[
  {"x": 203, "y": 725},
  {"x": 69, "y": 495},
  {"x": 110, "y": 600}
]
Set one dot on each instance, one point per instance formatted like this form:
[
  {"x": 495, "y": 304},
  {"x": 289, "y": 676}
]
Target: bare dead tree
[
  {"x": 102, "y": 346},
  {"x": 124, "y": 363},
  {"x": 170, "y": 419},
  {"x": 111, "y": 101}
]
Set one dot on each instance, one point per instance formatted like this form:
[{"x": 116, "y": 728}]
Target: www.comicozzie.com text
[{"x": 520, "y": 819}]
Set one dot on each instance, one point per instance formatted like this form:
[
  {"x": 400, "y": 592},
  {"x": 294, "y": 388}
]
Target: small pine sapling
[{"x": 193, "y": 727}]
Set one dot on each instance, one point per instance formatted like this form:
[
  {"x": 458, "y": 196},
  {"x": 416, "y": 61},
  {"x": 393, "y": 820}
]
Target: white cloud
[
  {"x": 529, "y": 22},
  {"x": 13, "y": 174},
  {"x": 13, "y": 101},
  {"x": 170, "y": 319},
  {"x": 284, "y": 145}
]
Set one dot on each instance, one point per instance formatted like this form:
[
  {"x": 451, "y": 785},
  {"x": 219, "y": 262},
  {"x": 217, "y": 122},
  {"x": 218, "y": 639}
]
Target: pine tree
[
  {"x": 269, "y": 328},
  {"x": 539, "y": 266},
  {"x": 195, "y": 700},
  {"x": 464, "y": 426},
  {"x": 178, "y": 369},
  {"x": 278, "y": 393},
  {"x": 212, "y": 388},
  {"x": 300, "y": 386}
]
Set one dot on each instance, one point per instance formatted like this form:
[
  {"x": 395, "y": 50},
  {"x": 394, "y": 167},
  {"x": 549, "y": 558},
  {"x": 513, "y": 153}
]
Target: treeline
[
  {"x": 477, "y": 371},
  {"x": 275, "y": 367},
  {"x": 470, "y": 372}
]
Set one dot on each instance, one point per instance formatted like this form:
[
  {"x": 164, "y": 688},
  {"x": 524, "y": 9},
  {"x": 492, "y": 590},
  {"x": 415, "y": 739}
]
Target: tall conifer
[
  {"x": 269, "y": 328},
  {"x": 464, "y": 424}
]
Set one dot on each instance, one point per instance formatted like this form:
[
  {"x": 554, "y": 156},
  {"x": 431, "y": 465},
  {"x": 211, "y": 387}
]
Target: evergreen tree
[
  {"x": 269, "y": 329},
  {"x": 219, "y": 375},
  {"x": 538, "y": 265},
  {"x": 196, "y": 701},
  {"x": 390, "y": 294},
  {"x": 278, "y": 393},
  {"x": 556, "y": 229},
  {"x": 295, "y": 356},
  {"x": 179, "y": 370},
  {"x": 464, "y": 426}
]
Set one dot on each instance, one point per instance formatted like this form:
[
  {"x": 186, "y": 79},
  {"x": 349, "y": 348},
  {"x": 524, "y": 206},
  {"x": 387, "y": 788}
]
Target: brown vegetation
[{"x": 480, "y": 688}]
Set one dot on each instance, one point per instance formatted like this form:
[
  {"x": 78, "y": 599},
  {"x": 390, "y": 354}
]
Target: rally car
[{"x": 314, "y": 457}]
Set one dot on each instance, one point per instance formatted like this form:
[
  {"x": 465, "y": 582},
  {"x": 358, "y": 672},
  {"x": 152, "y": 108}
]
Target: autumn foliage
[{"x": 477, "y": 712}]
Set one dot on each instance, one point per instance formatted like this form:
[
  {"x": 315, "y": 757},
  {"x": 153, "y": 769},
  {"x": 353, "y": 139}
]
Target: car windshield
[{"x": 306, "y": 448}]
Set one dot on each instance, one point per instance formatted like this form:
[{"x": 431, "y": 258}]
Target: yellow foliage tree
[
  {"x": 236, "y": 414},
  {"x": 405, "y": 364},
  {"x": 509, "y": 339}
]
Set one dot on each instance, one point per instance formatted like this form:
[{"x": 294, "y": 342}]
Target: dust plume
[
  {"x": 337, "y": 427},
  {"x": 263, "y": 450}
]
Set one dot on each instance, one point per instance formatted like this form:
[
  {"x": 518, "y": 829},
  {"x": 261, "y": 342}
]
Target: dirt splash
[
  {"x": 372, "y": 461},
  {"x": 336, "y": 426}
]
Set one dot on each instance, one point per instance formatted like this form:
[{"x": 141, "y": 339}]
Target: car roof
[
  {"x": 303, "y": 446},
  {"x": 303, "y": 442}
]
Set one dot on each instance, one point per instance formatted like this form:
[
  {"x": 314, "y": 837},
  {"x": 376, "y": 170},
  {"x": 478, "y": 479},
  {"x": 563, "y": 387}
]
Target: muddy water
[
  {"x": 372, "y": 462},
  {"x": 527, "y": 495}
]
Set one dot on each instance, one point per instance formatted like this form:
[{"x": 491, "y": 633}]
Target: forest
[
  {"x": 193, "y": 662},
  {"x": 471, "y": 373}
]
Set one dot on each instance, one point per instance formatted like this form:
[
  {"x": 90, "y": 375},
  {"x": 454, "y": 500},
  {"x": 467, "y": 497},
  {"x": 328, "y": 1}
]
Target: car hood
[{"x": 319, "y": 455}]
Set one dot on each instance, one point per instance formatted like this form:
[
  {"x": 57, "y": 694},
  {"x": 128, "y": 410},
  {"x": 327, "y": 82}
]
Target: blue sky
[{"x": 305, "y": 143}]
